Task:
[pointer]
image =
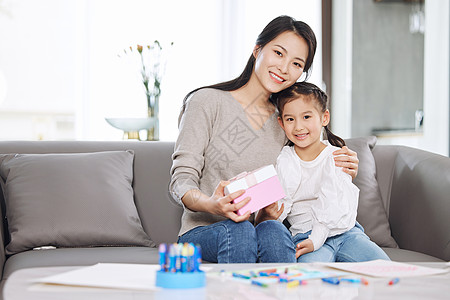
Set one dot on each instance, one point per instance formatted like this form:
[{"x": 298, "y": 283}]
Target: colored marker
[
  {"x": 237, "y": 275},
  {"x": 178, "y": 248},
  {"x": 191, "y": 257},
  {"x": 352, "y": 280},
  {"x": 172, "y": 259},
  {"x": 294, "y": 283},
  {"x": 394, "y": 281},
  {"x": 184, "y": 258},
  {"x": 258, "y": 283},
  {"x": 268, "y": 271},
  {"x": 197, "y": 258},
  {"x": 355, "y": 280},
  {"x": 268, "y": 274},
  {"x": 162, "y": 256},
  {"x": 331, "y": 280}
]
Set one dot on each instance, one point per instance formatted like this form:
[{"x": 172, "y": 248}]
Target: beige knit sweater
[{"x": 216, "y": 142}]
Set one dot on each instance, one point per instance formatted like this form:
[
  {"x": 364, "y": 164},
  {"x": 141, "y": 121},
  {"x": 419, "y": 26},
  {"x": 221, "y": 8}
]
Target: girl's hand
[
  {"x": 304, "y": 247},
  {"x": 270, "y": 212},
  {"x": 222, "y": 205},
  {"x": 348, "y": 160}
]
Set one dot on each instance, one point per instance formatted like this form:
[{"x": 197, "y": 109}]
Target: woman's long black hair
[
  {"x": 316, "y": 94},
  {"x": 276, "y": 27}
]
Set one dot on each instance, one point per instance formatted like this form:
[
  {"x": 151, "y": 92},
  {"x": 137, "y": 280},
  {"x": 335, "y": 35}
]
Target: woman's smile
[{"x": 277, "y": 78}]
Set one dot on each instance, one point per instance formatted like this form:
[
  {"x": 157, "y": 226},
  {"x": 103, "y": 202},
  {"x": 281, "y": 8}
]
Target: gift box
[{"x": 261, "y": 185}]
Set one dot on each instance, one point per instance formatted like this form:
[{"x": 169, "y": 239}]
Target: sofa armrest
[
  {"x": 419, "y": 202},
  {"x": 2, "y": 234}
]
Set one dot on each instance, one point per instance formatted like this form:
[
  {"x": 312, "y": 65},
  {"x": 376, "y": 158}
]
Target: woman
[{"x": 232, "y": 127}]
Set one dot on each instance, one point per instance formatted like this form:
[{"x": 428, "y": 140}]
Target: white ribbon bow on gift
[{"x": 250, "y": 178}]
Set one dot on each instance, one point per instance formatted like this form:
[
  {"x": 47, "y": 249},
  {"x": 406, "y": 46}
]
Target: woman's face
[{"x": 279, "y": 64}]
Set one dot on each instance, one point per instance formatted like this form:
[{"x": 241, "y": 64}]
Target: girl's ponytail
[{"x": 334, "y": 139}]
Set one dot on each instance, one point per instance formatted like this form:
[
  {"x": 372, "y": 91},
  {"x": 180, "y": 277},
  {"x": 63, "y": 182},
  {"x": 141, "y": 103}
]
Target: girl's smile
[{"x": 301, "y": 136}]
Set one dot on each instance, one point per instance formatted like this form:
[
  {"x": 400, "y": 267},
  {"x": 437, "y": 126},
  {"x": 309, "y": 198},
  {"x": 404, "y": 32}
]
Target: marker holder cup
[{"x": 180, "y": 280}]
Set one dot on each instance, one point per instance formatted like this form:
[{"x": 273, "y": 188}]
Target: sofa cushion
[
  {"x": 371, "y": 212},
  {"x": 70, "y": 200}
]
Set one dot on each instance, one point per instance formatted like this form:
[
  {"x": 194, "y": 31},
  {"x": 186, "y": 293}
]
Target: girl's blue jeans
[
  {"x": 231, "y": 242},
  {"x": 351, "y": 246}
]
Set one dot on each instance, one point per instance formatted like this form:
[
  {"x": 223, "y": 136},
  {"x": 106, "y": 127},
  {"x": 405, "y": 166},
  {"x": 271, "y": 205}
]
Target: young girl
[{"x": 321, "y": 201}]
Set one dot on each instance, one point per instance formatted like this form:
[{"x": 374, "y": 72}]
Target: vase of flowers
[{"x": 152, "y": 61}]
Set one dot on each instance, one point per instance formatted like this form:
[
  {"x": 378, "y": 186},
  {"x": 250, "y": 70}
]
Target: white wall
[
  {"x": 435, "y": 137},
  {"x": 342, "y": 31},
  {"x": 59, "y": 57},
  {"x": 436, "y": 77}
]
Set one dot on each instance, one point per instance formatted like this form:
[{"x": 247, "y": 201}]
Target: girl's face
[
  {"x": 302, "y": 122},
  {"x": 279, "y": 64}
]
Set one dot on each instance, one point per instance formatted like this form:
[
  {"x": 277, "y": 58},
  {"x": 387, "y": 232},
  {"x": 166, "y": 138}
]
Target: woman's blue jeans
[
  {"x": 231, "y": 242},
  {"x": 351, "y": 246}
]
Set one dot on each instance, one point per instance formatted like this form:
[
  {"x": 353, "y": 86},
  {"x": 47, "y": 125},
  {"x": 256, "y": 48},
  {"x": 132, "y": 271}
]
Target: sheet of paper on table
[
  {"x": 295, "y": 271},
  {"x": 108, "y": 275},
  {"x": 383, "y": 268}
]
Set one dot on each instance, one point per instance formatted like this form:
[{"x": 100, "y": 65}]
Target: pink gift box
[{"x": 261, "y": 185}]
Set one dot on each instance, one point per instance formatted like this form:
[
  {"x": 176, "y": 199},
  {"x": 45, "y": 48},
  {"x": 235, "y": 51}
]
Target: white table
[{"x": 20, "y": 286}]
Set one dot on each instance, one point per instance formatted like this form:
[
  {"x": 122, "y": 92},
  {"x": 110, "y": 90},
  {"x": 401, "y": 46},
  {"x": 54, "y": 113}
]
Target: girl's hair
[
  {"x": 313, "y": 93},
  {"x": 276, "y": 27}
]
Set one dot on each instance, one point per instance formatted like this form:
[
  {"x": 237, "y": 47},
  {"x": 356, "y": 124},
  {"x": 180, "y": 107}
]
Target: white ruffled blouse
[{"x": 319, "y": 196}]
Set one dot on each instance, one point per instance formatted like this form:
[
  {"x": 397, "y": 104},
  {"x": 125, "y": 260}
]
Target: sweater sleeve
[
  {"x": 319, "y": 234},
  {"x": 194, "y": 134}
]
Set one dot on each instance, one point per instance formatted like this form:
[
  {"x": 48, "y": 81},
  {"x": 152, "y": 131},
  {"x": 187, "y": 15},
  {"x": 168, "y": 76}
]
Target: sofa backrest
[{"x": 160, "y": 215}]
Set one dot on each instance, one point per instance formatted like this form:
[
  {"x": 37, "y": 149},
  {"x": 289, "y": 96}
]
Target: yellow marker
[{"x": 293, "y": 283}]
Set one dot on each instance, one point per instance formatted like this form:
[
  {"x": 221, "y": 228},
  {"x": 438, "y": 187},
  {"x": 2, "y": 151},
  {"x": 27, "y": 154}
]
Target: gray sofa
[{"x": 414, "y": 186}]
